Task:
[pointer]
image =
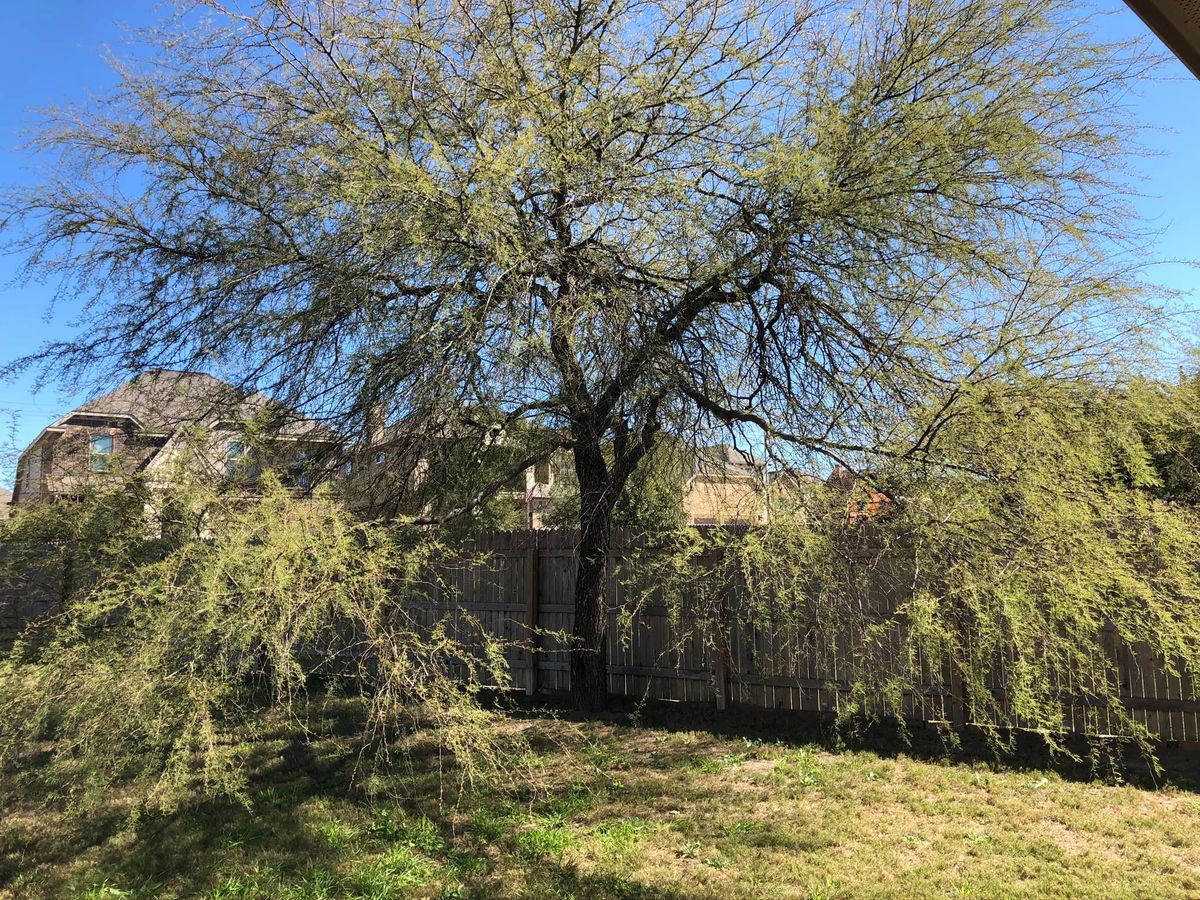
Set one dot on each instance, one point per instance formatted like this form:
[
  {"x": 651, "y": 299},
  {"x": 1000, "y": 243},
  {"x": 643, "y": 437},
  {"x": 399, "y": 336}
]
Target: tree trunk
[{"x": 589, "y": 662}]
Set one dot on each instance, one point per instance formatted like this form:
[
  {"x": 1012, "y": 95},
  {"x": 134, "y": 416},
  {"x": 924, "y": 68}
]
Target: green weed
[{"x": 551, "y": 840}]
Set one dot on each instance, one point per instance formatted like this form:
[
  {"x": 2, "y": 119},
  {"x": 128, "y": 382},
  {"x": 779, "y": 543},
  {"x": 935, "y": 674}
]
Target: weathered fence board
[
  {"x": 519, "y": 587},
  {"x": 655, "y": 652}
]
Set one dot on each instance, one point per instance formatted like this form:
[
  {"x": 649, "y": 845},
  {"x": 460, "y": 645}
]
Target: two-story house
[
  {"x": 727, "y": 486},
  {"x": 423, "y": 472},
  {"x": 435, "y": 468},
  {"x": 143, "y": 426}
]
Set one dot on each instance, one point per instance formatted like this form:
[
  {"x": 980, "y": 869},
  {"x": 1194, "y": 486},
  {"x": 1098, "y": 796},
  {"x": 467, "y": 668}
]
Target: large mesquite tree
[{"x": 614, "y": 218}]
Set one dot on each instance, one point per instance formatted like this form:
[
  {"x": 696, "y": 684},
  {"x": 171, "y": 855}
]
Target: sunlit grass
[{"x": 664, "y": 809}]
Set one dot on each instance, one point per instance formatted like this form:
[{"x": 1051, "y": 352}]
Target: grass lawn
[{"x": 682, "y": 804}]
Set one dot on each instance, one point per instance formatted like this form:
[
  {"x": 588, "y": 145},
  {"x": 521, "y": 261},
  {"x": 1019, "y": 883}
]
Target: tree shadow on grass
[
  {"x": 190, "y": 846},
  {"x": 273, "y": 848},
  {"x": 1179, "y": 765},
  {"x": 277, "y": 846},
  {"x": 227, "y": 850}
]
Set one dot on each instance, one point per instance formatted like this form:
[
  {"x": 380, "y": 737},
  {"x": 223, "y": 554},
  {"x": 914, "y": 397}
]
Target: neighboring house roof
[
  {"x": 842, "y": 478},
  {"x": 161, "y": 400},
  {"x": 870, "y": 504},
  {"x": 725, "y": 459},
  {"x": 793, "y": 478}
]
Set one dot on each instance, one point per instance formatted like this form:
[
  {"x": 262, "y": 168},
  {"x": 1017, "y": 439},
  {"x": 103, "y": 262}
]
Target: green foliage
[
  {"x": 1055, "y": 526},
  {"x": 60, "y": 550},
  {"x": 799, "y": 768},
  {"x": 480, "y": 476},
  {"x": 1052, "y": 544},
  {"x": 619, "y": 838},
  {"x": 652, "y": 499},
  {"x": 653, "y": 495},
  {"x": 169, "y": 648},
  {"x": 799, "y": 222},
  {"x": 1167, "y": 422},
  {"x": 546, "y": 839}
]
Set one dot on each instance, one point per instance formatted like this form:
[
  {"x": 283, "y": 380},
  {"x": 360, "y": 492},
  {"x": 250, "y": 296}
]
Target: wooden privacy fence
[
  {"x": 720, "y": 653},
  {"x": 34, "y": 596},
  {"x": 520, "y": 578}
]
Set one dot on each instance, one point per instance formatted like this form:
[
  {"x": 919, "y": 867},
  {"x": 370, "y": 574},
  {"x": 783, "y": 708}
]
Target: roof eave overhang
[
  {"x": 129, "y": 417},
  {"x": 1177, "y": 25},
  {"x": 59, "y": 425}
]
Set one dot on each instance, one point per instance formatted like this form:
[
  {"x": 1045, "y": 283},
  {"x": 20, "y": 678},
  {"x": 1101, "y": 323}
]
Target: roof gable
[{"x": 160, "y": 401}]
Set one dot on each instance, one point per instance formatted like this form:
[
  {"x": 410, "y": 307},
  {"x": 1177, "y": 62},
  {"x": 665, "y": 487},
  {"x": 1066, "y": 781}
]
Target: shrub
[{"x": 173, "y": 646}]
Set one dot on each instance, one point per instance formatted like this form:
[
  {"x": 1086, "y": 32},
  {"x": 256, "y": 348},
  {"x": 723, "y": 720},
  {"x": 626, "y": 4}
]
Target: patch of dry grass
[{"x": 673, "y": 806}]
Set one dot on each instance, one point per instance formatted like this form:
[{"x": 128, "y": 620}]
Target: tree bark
[{"x": 589, "y": 662}]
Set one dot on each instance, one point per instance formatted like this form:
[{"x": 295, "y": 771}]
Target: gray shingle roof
[
  {"x": 725, "y": 459},
  {"x": 161, "y": 400}
]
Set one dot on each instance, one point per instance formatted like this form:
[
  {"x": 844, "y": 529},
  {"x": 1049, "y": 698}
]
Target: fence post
[
  {"x": 724, "y": 629},
  {"x": 957, "y": 699},
  {"x": 531, "y": 617},
  {"x": 721, "y": 679}
]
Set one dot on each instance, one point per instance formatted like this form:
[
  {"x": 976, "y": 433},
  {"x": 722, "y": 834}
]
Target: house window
[
  {"x": 235, "y": 453},
  {"x": 303, "y": 478},
  {"x": 541, "y": 473},
  {"x": 101, "y": 452}
]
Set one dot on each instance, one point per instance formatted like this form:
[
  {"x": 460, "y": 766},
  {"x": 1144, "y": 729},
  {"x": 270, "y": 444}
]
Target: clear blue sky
[{"x": 54, "y": 53}]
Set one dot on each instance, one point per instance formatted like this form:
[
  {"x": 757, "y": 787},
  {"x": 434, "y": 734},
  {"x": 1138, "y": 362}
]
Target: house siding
[
  {"x": 724, "y": 500},
  {"x": 59, "y": 464}
]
